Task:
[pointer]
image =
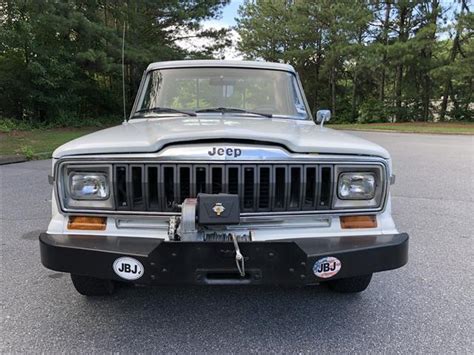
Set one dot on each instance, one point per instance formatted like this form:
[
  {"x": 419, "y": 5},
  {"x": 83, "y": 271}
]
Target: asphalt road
[{"x": 426, "y": 306}]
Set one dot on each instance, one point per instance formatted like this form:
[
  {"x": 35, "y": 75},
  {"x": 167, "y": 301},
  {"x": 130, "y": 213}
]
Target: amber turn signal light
[
  {"x": 350, "y": 222},
  {"x": 87, "y": 223}
]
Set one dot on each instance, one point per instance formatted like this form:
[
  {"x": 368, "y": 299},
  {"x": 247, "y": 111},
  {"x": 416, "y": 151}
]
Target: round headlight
[
  {"x": 356, "y": 186},
  {"x": 88, "y": 186}
]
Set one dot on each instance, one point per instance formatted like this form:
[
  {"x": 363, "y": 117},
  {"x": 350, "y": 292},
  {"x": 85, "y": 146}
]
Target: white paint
[
  {"x": 150, "y": 135},
  {"x": 220, "y": 63}
]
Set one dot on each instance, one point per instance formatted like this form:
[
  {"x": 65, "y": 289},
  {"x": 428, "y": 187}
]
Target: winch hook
[{"x": 239, "y": 258}]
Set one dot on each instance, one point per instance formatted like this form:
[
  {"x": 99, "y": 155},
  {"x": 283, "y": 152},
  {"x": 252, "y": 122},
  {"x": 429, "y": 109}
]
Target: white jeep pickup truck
[{"x": 221, "y": 176}]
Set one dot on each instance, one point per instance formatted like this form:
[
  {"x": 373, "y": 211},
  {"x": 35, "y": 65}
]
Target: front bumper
[{"x": 284, "y": 262}]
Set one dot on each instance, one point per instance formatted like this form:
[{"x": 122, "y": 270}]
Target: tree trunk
[
  {"x": 398, "y": 92},
  {"x": 444, "y": 102},
  {"x": 427, "y": 54},
  {"x": 354, "y": 97},
  {"x": 447, "y": 84},
  {"x": 333, "y": 90},
  {"x": 318, "y": 70},
  {"x": 316, "y": 87},
  {"x": 355, "y": 82},
  {"x": 386, "y": 24},
  {"x": 402, "y": 37}
]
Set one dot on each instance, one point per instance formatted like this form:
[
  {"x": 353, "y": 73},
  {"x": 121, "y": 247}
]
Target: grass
[
  {"x": 38, "y": 143},
  {"x": 411, "y": 127}
]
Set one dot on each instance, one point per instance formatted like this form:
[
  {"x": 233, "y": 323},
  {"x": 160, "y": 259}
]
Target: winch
[{"x": 209, "y": 217}]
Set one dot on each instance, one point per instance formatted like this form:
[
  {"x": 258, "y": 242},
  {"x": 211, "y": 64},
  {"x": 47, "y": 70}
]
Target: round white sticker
[
  {"x": 128, "y": 268},
  {"x": 327, "y": 267}
]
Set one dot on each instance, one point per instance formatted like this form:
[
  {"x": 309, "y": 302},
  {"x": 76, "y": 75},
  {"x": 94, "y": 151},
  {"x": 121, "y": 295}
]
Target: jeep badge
[{"x": 230, "y": 152}]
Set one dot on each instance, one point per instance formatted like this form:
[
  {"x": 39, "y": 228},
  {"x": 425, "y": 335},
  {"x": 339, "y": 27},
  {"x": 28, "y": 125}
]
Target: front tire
[
  {"x": 90, "y": 286},
  {"x": 351, "y": 284}
]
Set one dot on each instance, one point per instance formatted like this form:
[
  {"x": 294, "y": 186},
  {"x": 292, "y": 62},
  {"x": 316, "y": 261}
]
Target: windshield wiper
[
  {"x": 163, "y": 110},
  {"x": 235, "y": 110}
]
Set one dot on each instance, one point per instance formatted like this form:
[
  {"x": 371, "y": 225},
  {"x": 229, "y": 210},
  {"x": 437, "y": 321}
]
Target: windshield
[{"x": 246, "y": 91}]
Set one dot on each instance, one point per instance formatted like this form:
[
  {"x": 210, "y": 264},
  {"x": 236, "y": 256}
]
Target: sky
[
  {"x": 227, "y": 20},
  {"x": 230, "y": 12}
]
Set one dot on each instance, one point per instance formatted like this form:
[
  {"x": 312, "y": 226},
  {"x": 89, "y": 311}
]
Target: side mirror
[{"x": 323, "y": 116}]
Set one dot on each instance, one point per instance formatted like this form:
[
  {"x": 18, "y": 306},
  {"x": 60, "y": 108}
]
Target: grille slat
[
  {"x": 264, "y": 188},
  {"x": 217, "y": 179},
  {"x": 120, "y": 187},
  {"x": 184, "y": 181},
  {"x": 201, "y": 180},
  {"x": 310, "y": 187},
  {"x": 249, "y": 189},
  {"x": 233, "y": 178},
  {"x": 151, "y": 182},
  {"x": 325, "y": 187},
  {"x": 167, "y": 187},
  {"x": 160, "y": 187},
  {"x": 281, "y": 188},
  {"x": 294, "y": 196},
  {"x": 137, "y": 191}
]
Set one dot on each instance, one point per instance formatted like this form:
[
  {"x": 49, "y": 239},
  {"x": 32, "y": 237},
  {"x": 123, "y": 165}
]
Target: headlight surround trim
[
  {"x": 381, "y": 189},
  {"x": 70, "y": 202}
]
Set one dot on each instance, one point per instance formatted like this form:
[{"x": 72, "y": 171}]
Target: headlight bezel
[
  {"x": 69, "y": 202},
  {"x": 377, "y": 201}
]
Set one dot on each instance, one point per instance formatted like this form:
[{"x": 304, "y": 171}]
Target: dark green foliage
[
  {"x": 372, "y": 111},
  {"x": 370, "y": 61},
  {"x": 60, "y": 61}
]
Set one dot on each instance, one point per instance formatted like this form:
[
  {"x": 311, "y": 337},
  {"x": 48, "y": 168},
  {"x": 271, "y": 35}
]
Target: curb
[
  {"x": 12, "y": 159},
  {"x": 402, "y": 132}
]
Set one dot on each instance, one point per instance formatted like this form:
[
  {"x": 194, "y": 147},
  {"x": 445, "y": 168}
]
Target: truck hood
[{"x": 150, "y": 135}]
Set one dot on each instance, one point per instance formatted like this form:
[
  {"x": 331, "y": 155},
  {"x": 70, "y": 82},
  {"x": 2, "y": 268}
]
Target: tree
[
  {"x": 367, "y": 60},
  {"x": 320, "y": 39},
  {"x": 61, "y": 60},
  {"x": 459, "y": 66}
]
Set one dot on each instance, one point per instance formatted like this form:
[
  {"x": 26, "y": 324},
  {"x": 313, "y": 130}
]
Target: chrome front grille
[{"x": 261, "y": 187}]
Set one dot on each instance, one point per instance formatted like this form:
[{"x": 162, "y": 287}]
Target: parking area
[{"x": 425, "y": 306}]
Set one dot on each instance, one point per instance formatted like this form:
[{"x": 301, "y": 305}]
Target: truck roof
[{"x": 220, "y": 63}]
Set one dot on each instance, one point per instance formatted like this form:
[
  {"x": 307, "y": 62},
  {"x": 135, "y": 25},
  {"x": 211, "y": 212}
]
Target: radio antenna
[{"x": 123, "y": 74}]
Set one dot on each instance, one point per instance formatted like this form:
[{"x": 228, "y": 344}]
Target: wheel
[
  {"x": 351, "y": 284},
  {"x": 90, "y": 286}
]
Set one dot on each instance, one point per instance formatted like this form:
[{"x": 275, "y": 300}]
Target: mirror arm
[{"x": 322, "y": 116}]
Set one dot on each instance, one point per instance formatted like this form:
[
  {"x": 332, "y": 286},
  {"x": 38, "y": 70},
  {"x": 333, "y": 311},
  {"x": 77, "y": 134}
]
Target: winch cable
[{"x": 239, "y": 258}]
